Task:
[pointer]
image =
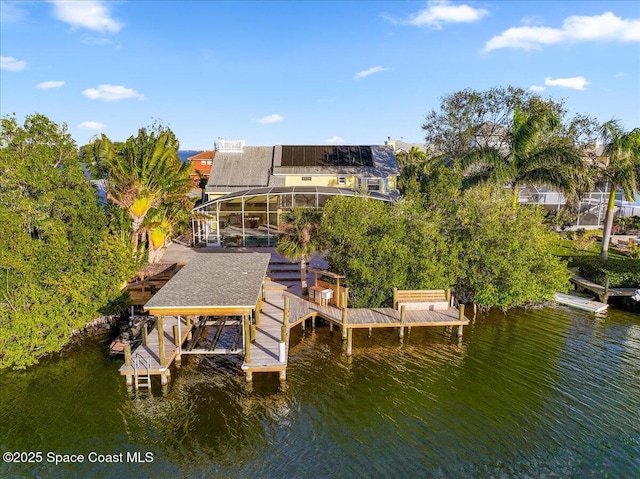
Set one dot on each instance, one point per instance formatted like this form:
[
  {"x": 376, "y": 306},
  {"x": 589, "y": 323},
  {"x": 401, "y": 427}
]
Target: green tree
[
  {"x": 144, "y": 173},
  {"x": 59, "y": 264},
  {"x": 621, "y": 168},
  {"x": 505, "y": 255},
  {"x": 299, "y": 238},
  {"x": 378, "y": 246},
  {"x": 534, "y": 154}
]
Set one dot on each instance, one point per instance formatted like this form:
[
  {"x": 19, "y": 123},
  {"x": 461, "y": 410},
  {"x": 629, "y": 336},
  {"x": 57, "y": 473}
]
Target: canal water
[{"x": 550, "y": 392}]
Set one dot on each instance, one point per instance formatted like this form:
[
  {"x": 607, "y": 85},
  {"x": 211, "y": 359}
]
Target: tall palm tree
[
  {"x": 535, "y": 154},
  {"x": 621, "y": 168},
  {"x": 144, "y": 173},
  {"x": 299, "y": 239}
]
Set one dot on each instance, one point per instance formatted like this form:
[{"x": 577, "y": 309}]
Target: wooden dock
[
  {"x": 603, "y": 292},
  {"x": 264, "y": 354},
  {"x": 160, "y": 351},
  {"x": 264, "y": 351},
  {"x": 260, "y": 313}
]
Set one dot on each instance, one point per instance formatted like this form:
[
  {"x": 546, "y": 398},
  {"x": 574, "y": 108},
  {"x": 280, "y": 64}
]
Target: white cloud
[
  {"x": 91, "y": 125},
  {"x": 90, "y": 14},
  {"x": 577, "y": 83},
  {"x": 12, "y": 64},
  {"x": 619, "y": 75},
  {"x": 334, "y": 140},
  {"x": 438, "y": 13},
  {"x": 45, "y": 85},
  {"x": 605, "y": 27},
  {"x": 111, "y": 93},
  {"x": 275, "y": 118},
  {"x": 370, "y": 71},
  {"x": 537, "y": 88}
]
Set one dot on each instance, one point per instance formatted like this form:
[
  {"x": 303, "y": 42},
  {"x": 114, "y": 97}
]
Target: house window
[
  {"x": 342, "y": 180},
  {"x": 306, "y": 178},
  {"x": 373, "y": 184}
]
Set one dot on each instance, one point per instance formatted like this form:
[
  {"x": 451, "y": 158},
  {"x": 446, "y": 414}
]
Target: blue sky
[{"x": 306, "y": 72}]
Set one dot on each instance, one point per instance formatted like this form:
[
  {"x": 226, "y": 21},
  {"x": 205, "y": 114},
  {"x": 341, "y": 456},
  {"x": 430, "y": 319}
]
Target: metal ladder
[{"x": 141, "y": 374}]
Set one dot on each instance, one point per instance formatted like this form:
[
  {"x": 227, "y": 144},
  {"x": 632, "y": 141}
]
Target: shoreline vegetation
[{"x": 457, "y": 224}]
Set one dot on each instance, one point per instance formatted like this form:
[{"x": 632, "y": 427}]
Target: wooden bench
[{"x": 421, "y": 300}]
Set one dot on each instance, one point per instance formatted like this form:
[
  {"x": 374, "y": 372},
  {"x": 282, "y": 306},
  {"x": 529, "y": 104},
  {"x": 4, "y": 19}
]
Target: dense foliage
[
  {"x": 506, "y": 258},
  {"x": 490, "y": 254},
  {"x": 299, "y": 238},
  {"x": 616, "y": 273},
  {"x": 379, "y": 246},
  {"x": 59, "y": 265},
  {"x": 145, "y": 177}
]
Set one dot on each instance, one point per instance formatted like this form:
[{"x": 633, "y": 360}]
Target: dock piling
[{"x": 162, "y": 355}]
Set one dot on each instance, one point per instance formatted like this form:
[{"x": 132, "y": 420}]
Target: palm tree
[
  {"x": 535, "y": 154},
  {"x": 142, "y": 174},
  {"x": 299, "y": 239},
  {"x": 621, "y": 168}
]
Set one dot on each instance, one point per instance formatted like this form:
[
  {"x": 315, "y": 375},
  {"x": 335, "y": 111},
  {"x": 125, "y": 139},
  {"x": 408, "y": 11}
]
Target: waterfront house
[{"x": 250, "y": 186}]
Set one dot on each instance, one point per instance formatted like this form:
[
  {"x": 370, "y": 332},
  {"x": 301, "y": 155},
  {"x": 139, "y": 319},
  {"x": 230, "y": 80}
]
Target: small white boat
[{"x": 578, "y": 302}]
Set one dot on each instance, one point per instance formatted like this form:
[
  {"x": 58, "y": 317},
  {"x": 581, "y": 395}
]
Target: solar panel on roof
[{"x": 298, "y": 155}]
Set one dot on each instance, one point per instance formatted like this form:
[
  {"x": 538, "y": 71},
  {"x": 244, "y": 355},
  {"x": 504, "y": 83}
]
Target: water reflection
[{"x": 548, "y": 392}]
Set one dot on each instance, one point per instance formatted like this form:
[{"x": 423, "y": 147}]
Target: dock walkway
[
  {"x": 603, "y": 292},
  {"x": 149, "y": 354}
]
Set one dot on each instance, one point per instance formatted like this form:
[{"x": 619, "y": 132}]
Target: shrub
[{"x": 621, "y": 273}]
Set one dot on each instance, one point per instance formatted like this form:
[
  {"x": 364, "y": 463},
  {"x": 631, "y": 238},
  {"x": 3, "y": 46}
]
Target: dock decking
[
  {"x": 262, "y": 311},
  {"x": 603, "y": 292},
  {"x": 148, "y": 355}
]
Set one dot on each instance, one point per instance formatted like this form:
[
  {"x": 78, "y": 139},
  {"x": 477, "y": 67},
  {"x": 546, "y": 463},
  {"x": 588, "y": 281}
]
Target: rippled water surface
[{"x": 544, "y": 393}]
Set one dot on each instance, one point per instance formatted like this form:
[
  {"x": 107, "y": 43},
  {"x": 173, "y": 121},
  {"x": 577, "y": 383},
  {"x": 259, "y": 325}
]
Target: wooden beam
[{"x": 202, "y": 311}]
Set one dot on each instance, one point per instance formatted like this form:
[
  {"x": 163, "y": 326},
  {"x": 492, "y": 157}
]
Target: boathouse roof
[{"x": 213, "y": 284}]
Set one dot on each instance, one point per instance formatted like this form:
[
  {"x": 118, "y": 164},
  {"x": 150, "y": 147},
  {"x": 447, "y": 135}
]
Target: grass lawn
[{"x": 566, "y": 250}]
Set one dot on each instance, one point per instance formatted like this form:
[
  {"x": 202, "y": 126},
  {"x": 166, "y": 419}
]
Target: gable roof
[
  {"x": 204, "y": 155},
  {"x": 248, "y": 169}
]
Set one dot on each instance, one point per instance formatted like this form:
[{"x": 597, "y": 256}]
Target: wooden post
[
  {"x": 395, "y": 298},
  {"x": 249, "y": 376},
  {"x": 189, "y": 336},
  {"x": 447, "y": 294},
  {"x": 162, "y": 353},
  {"x": 461, "y": 312},
  {"x": 176, "y": 336},
  {"x": 313, "y": 322},
  {"x": 338, "y": 299},
  {"x": 283, "y": 375},
  {"x": 285, "y": 314},
  {"x": 331, "y": 326},
  {"x": 349, "y": 341},
  {"x": 283, "y": 333},
  {"x": 177, "y": 341},
  {"x": 145, "y": 338},
  {"x": 344, "y": 323},
  {"x": 258, "y": 310},
  {"x": 252, "y": 332},
  {"x": 370, "y": 331},
  {"x": 403, "y": 321},
  {"x": 127, "y": 362},
  {"x": 247, "y": 341},
  {"x": 127, "y": 355}
]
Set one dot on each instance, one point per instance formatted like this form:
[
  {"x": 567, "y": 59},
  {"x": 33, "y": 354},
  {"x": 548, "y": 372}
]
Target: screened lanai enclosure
[{"x": 252, "y": 217}]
